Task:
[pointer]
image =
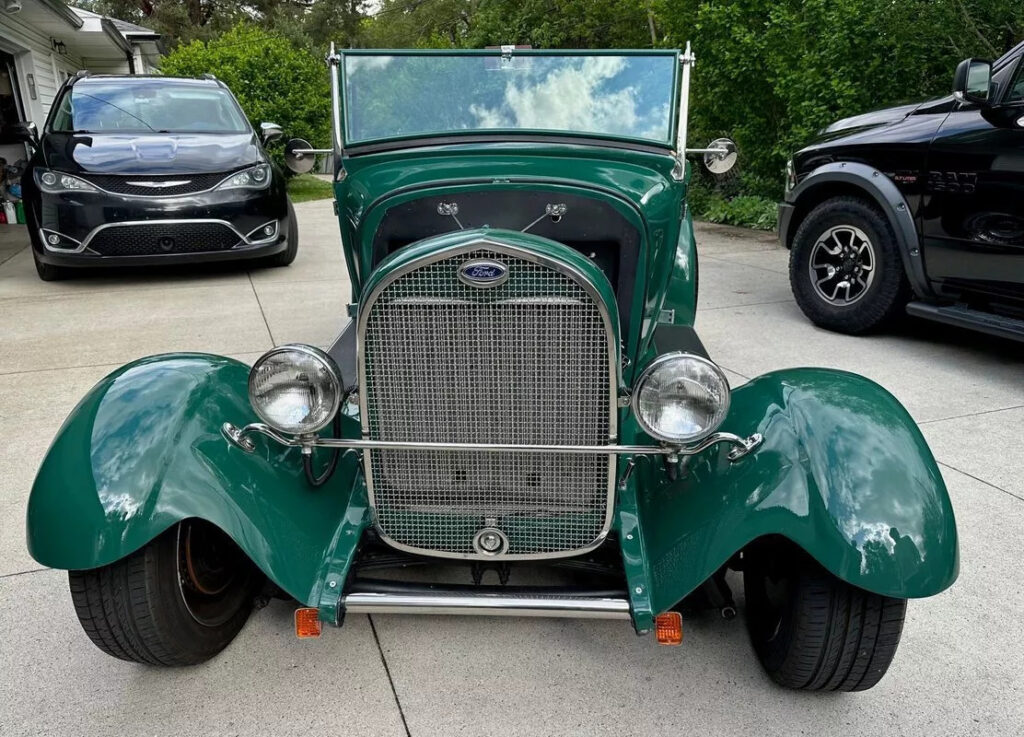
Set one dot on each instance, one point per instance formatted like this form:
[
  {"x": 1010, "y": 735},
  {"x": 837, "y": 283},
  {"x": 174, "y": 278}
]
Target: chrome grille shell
[{"x": 429, "y": 345}]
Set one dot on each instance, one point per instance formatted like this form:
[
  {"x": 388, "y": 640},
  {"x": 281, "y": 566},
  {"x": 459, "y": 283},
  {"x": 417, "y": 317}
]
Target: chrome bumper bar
[
  {"x": 486, "y": 605},
  {"x": 241, "y": 438}
]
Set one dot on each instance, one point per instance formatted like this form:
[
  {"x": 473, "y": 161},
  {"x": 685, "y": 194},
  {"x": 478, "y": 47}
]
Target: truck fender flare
[{"x": 885, "y": 194}]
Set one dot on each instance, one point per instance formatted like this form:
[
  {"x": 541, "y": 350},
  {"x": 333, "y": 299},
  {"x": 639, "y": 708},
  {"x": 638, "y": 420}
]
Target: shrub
[{"x": 273, "y": 80}]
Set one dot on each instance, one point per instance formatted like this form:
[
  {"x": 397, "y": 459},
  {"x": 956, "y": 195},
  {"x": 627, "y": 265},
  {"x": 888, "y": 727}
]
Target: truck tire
[
  {"x": 179, "y": 600},
  {"x": 814, "y": 632},
  {"x": 845, "y": 267}
]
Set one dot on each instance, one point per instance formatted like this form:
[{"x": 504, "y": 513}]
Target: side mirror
[
  {"x": 270, "y": 132},
  {"x": 720, "y": 155},
  {"x": 299, "y": 156},
  {"x": 972, "y": 82},
  {"x": 25, "y": 133}
]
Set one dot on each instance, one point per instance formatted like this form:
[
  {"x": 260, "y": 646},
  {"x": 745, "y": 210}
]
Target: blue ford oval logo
[{"x": 483, "y": 273}]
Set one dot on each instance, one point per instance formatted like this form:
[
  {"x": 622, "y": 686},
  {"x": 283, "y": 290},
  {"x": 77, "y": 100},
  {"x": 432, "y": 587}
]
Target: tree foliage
[{"x": 272, "y": 79}]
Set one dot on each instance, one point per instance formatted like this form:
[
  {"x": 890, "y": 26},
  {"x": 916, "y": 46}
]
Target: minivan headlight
[
  {"x": 55, "y": 182},
  {"x": 255, "y": 177},
  {"x": 681, "y": 398},
  {"x": 295, "y": 389}
]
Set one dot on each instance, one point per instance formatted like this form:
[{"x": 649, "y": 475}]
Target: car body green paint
[{"x": 843, "y": 471}]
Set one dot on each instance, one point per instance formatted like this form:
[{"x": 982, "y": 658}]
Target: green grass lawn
[{"x": 306, "y": 187}]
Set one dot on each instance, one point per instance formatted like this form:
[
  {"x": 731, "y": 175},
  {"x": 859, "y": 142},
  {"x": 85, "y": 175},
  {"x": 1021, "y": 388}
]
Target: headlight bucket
[
  {"x": 295, "y": 389},
  {"x": 681, "y": 398}
]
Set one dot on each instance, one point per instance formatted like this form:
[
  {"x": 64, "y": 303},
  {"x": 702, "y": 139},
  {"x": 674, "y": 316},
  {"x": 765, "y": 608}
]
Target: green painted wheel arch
[
  {"x": 143, "y": 451},
  {"x": 843, "y": 472}
]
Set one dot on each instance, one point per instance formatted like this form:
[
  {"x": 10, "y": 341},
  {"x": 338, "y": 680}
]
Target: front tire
[
  {"x": 177, "y": 601},
  {"x": 813, "y": 631},
  {"x": 845, "y": 267},
  {"x": 288, "y": 255}
]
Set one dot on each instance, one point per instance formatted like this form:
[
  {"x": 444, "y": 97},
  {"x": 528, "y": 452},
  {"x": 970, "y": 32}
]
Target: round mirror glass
[
  {"x": 722, "y": 160},
  {"x": 295, "y": 159}
]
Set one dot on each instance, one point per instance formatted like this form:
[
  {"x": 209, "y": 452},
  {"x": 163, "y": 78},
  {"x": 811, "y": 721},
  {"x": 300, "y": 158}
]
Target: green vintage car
[{"x": 518, "y": 392}]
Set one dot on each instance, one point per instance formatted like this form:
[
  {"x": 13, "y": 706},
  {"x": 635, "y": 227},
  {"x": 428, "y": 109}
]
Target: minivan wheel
[
  {"x": 49, "y": 272},
  {"x": 812, "y": 631},
  {"x": 291, "y": 251},
  {"x": 845, "y": 268},
  {"x": 179, "y": 600}
]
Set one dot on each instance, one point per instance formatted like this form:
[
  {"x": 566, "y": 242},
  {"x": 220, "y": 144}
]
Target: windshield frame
[
  {"x": 507, "y": 134},
  {"x": 71, "y": 84}
]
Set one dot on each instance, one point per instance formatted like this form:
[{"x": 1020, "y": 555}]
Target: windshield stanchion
[
  {"x": 687, "y": 60},
  {"x": 333, "y": 60}
]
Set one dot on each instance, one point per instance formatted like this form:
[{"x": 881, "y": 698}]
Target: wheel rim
[
  {"x": 842, "y": 265},
  {"x": 213, "y": 574}
]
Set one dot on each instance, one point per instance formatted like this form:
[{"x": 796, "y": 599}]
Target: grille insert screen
[{"x": 524, "y": 362}]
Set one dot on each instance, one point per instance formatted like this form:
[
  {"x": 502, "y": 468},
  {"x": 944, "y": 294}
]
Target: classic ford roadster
[{"x": 519, "y": 384}]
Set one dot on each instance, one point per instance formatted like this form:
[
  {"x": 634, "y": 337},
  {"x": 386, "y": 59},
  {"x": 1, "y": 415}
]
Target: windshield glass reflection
[{"x": 392, "y": 96}]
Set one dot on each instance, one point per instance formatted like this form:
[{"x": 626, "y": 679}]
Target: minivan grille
[
  {"x": 144, "y": 185},
  {"x": 158, "y": 239},
  {"x": 526, "y": 362}
]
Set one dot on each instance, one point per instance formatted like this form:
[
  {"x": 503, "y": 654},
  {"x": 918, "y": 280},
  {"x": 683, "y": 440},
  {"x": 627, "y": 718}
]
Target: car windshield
[
  {"x": 390, "y": 95},
  {"x": 148, "y": 106}
]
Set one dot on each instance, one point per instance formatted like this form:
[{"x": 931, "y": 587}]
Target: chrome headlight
[
  {"x": 681, "y": 398},
  {"x": 255, "y": 177},
  {"x": 295, "y": 389},
  {"x": 55, "y": 182}
]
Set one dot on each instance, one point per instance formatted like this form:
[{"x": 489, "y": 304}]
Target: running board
[
  {"x": 400, "y": 598},
  {"x": 965, "y": 317}
]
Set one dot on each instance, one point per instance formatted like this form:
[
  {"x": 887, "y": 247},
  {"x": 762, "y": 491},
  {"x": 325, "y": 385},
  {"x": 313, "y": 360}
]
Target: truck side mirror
[
  {"x": 25, "y": 133},
  {"x": 972, "y": 82}
]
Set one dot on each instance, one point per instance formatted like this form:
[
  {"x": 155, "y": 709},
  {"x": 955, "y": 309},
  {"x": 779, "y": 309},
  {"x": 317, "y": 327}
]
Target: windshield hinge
[{"x": 506, "y": 51}]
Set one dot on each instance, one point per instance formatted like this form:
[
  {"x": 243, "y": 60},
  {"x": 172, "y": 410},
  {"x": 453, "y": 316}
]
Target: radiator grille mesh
[{"x": 526, "y": 363}]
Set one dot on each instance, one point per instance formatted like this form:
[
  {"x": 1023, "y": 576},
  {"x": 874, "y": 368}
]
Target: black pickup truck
[{"x": 917, "y": 208}]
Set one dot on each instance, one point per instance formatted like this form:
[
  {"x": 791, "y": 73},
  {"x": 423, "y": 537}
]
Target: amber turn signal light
[
  {"x": 668, "y": 628},
  {"x": 307, "y": 622}
]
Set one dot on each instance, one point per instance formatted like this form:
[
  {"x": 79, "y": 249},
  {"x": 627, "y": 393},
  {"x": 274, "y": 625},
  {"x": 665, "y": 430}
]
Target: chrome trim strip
[
  {"x": 334, "y": 67},
  {"x": 158, "y": 196},
  {"x": 365, "y": 308},
  {"x": 687, "y": 60},
  {"x": 170, "y": 221},
  {"x": 239, "y": 436},
  {"x": 486, "y": 604}
]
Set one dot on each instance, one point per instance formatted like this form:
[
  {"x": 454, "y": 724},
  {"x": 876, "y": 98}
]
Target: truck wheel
[
  {"x": 288, "y": 254},
  {"x": 845, "y": 268},
  {"x": 177, "y": 601},
  {"x": 814, "y": 632}
]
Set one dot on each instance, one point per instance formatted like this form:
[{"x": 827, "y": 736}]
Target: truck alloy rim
[{"x": 842, "y": 265}]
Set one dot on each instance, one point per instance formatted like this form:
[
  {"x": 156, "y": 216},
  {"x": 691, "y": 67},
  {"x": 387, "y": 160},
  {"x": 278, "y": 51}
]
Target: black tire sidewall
[{"x": 886, "y": 294}]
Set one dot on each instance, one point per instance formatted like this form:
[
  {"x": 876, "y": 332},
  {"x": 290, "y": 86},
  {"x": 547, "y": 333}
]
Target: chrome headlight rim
[
  {"x": 651, "y": 369},
  {"x": 317, "y": 354}
]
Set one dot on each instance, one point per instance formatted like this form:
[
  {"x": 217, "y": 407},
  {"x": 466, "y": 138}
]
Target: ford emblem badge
[{"x": 483, "y": 273}]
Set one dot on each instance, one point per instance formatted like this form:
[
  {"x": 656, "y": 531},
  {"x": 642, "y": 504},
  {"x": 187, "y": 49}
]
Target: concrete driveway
[{"x": 959, "y": 670}]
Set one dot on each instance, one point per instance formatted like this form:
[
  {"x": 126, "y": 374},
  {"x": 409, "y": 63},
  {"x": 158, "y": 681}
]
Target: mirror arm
[{"x": 687, "y": 60}]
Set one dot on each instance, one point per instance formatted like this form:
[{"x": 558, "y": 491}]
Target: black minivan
[{"x": 133, "y": 170}]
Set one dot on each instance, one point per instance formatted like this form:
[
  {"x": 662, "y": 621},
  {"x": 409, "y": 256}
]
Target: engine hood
[{"x": 149, "y": 154}]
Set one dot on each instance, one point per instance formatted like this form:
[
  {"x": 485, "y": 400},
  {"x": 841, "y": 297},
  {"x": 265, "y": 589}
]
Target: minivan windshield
[
  {"x": 392, "y": 95},
  {"x": 148, "y": 106}
]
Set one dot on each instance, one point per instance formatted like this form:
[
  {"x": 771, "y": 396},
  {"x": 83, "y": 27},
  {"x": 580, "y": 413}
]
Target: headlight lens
[
  {"x": 55, "y": 182},
  {"x": 255, "y": 177},
  {"x": 295, "y": 389},
  {"x": 681, "y": 398}
]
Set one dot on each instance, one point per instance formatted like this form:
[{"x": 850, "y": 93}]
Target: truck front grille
[{"x": 526, "y": 362}]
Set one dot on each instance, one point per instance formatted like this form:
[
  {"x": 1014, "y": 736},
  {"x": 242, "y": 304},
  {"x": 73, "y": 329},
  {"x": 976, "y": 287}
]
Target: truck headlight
[
  {"x": 681, "y": 398},
  {"x": 295, "y": 389}
]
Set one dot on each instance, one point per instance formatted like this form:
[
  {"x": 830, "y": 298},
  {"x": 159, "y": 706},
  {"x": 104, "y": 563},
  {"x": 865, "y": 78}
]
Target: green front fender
[
  {"x": 843, "y": 472},
  {"x": 143, "y": 450}
]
